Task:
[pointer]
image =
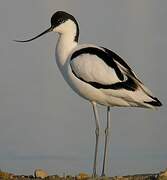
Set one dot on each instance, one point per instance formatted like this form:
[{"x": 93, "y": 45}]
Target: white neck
[
  {"x": 64, "y": 46},
  {"x": 66, "y": 43}
]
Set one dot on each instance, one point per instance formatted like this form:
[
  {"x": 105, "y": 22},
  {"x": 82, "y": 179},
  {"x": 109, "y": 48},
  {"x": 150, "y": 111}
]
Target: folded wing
[{"x": 105, "y": 70}]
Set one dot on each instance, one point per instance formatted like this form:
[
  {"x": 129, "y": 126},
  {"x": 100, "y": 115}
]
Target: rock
[
  {"x": 6, "y": 175},
  {"x": 39, "y": 173},
  {"x": 163, "y": 175},
  {"x": 82, "y": 176}
]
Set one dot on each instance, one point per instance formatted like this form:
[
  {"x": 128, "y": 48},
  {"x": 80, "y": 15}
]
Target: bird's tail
[
  {"x": 142, "y": 97},
  {"x": 149, "y": 100}
]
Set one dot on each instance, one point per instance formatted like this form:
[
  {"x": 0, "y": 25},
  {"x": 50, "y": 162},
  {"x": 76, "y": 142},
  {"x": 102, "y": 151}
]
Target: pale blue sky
[{"x": 43, "y": 124}]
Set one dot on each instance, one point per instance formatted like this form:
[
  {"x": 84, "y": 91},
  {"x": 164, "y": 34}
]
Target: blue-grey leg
[
  {"x": 97, "y": 138},
  {"x": 107, "y": 132}
]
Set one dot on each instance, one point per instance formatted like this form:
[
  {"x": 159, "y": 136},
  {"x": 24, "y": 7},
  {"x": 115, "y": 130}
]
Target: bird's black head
[
  {"x": 60, "y": 17},
  {"x": 61, "y": 22}
]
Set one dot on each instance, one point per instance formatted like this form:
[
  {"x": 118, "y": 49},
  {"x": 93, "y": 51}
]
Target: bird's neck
[{"x": 66, "y": 43}]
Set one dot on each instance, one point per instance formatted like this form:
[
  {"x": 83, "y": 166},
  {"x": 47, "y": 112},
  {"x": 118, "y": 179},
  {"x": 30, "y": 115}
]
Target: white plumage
[
  {"x": 94, "y": 69},
  {"x": 91, "y": 68},
  {"x": 96, "y": 74}
]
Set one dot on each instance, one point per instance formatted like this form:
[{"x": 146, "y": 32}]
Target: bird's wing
[
  {"x": 125, "y": 69},
  {"x": 102, "y": 69},
  {"x": 105, "y": 70}
]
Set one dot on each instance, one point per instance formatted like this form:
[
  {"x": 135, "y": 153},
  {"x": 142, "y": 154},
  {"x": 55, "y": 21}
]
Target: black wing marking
[
  {"x": 102, "y": 55},
  {"x": 108, "y": 57},
  {"x": 117, "y": 58}
]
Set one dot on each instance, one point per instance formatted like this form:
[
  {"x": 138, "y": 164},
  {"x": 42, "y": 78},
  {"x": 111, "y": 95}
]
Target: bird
[{"x": 98, "y": 75}]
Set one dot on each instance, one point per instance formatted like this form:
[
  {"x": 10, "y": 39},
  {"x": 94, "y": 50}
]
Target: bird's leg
[
  {"x": 97, "y": 137},
  {"x": 107, "y": 131}
]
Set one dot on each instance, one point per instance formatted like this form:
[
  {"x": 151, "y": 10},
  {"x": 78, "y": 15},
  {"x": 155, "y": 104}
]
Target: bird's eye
[{"x": 60, "y": 21}]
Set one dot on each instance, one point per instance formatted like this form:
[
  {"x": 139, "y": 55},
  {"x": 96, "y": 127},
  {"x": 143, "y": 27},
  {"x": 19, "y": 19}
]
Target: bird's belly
[
  {"x": 84, "y": 89},
  {"x": 88, "y": 92}
]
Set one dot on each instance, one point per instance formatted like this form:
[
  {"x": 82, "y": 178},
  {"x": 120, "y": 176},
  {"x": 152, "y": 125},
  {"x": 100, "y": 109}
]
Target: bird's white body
[
  {"x": 81, "y": 88},
  {"x": 96, "y": 74},
  {"x": 93, "y": 68}
]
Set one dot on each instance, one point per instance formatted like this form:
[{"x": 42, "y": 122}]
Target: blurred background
[{"x": 43, "y": 124}]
